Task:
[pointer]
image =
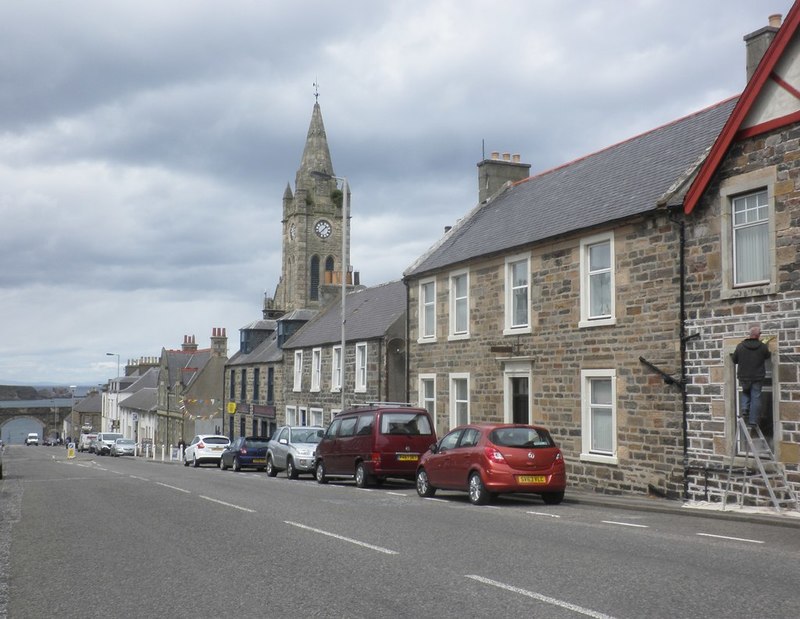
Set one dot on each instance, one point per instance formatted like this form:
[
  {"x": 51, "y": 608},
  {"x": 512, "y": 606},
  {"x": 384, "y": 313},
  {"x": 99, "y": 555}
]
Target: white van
[
  {"x": 33, "y": 439},
  {"x": 105, "y": 441}
]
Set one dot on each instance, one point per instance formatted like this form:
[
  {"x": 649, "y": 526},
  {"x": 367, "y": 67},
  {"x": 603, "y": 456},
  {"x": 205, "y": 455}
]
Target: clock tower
[{"x": 312, "y": 227}]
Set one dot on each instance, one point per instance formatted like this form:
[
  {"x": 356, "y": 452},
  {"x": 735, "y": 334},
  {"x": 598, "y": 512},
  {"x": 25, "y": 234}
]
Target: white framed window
[
  {"x": 316, "y": 416},
  {"x": 361, "y": 367},
  {"x": 427, "y": 311},
  {"x": 298, "y": 371},
  {"x": 302, "y": 416},
  {"x": 427, "y": 394},
  {"x": 517, "y": 294},
  {"x": 750, "y": 234},
  {"x": 316, "y": 368},
  {"x": 459, "y": 305},
  {"x": 598, "y": 292},
  {"x": 291, "y": 416},
  {"x": 336, "y": 368},
  {"x": 599, "y": 415},
  {"x": 459, "y": 399},
  {"x": 748, "y": 251}
]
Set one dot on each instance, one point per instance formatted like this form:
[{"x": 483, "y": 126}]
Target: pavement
[
  {"x": 765, "y": 514},
  {"x": 787, "y": 517}
]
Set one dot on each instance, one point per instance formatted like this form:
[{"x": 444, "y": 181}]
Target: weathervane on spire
[{"x": 316, "y": 90}]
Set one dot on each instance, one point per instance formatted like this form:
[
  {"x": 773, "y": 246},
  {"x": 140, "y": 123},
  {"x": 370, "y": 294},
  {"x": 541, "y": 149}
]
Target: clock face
[
  {"x": 292, "y": 231},
  {"x": 323, "y": 229}
]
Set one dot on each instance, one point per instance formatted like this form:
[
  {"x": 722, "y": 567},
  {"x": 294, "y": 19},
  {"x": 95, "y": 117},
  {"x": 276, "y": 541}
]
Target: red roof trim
[
  {"x": 770, "y": 125},
  {"x": 742, "y": 108}
]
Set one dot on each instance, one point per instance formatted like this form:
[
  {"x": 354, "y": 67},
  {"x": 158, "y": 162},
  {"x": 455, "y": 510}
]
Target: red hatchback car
[{"x": 493, "y": 458}]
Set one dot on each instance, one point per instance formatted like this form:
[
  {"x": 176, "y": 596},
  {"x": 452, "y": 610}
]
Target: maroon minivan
[{"x": 372, "y": 442}]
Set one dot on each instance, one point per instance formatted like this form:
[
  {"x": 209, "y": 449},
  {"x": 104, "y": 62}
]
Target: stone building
[
  {"x": 190, "y": 389},
  {"x": 742, "y": 256},
  {"x": 372, "y": 368},
  {"x": 555, "y": 301},
  {"x": 315, "y": 258}
]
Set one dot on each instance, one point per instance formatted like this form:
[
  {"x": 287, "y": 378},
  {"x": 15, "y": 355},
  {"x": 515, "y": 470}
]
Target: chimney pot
[
  {"x": 495, "y": 154},
  {"x": 515, "y": 158},
  {"x": 775, "y": 20},
  {"x": 506, "y": 156}
]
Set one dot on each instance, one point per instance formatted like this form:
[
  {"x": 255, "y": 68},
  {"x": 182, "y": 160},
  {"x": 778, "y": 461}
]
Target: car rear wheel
[
  {"x": 362, "y": 477},
  {"x": 237, "y": 466},
  {"x": 222, "y": 465},
  {"x": 553, "y": 498},
  {"x": 271, "y": 470},
  {"x": 185, "y": 461},
  {"x": 478, "y": 495},
  {"x": 319, "y": 473},
  {"x": 291, "y": 471},
  {"x": 195, "y": 463},
  {"x": 424, "y": 488}
]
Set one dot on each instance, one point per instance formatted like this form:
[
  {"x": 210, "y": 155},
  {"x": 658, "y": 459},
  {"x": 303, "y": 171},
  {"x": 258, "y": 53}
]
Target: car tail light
[
  {"x": 201, "y": 445},
  {"x": 559, "y": 459},
  {"x": 375, "y": 456},
  {"x": 243, "y": 450},
  {"x": 493, "y": 455}
]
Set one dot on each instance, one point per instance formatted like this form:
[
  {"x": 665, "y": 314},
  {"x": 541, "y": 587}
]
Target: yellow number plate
[
  {"x": 531, "y": 479},
  {"x": 407, "y": 457}
]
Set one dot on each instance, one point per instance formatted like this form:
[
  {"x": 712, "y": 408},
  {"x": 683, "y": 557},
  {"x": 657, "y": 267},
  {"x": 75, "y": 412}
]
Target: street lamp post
[
  {"x": 116, "y": 398},
  {"x": 345, "y": 268}
]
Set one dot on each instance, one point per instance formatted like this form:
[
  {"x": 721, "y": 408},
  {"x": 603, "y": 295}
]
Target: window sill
[
  {"x": 427, "y": 340},
  {"x": 517, "y": 331},
  {"x": 748, "y": 291},
  {"x": 599, "y": 459},
  {"x": 601, "y": 322},
  {"x": 457, "y": 336}
]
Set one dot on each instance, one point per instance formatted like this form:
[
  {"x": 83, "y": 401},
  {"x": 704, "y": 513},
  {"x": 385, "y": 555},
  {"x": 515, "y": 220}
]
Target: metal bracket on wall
[{"x": 668, "y": 379}]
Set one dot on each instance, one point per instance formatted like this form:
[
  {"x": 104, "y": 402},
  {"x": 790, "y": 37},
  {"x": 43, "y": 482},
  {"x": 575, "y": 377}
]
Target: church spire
[{"x": 316, "y": 155}]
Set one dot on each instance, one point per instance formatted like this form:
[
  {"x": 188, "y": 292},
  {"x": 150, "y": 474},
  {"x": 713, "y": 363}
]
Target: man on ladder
[{"x": 750, "y": 358}]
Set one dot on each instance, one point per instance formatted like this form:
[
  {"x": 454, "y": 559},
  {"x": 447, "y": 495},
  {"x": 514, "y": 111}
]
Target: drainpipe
[
  {"x": 408, "y": 341},
  {"x": 681, "y": 223}
]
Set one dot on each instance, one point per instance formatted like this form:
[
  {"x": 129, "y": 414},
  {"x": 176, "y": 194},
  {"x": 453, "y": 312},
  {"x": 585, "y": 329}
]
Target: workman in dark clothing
[{"x": 750, "y": 357}]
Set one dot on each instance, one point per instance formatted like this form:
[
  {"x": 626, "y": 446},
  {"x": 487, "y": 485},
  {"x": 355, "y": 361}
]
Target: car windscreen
[
  {"x": 520, "y": 437},
  {"x": 216, "y": 440},
  {"x": 307, "y": 435},
  {"x": 405, "y": 423},
  {"x": 124, "y": 441}
]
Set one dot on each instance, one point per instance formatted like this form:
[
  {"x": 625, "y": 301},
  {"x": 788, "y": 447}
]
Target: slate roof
[
  {"x": 92, "y": 403},
  {"x": 183, "y": 366},
  {"x": 143, "y": 400},
  {"x": 148, "y": 379},
  {"x": 620, "y": 181},
  {"x": 266, "y": 352},
  {"x": 369, "y": 313}
]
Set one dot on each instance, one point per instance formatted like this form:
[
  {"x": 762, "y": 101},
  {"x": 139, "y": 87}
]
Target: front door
[{"x": 519, "y": 400}]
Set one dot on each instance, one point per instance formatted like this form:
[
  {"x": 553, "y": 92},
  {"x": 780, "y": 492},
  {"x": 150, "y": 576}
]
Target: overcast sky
[{"x": 145, "y": 146}]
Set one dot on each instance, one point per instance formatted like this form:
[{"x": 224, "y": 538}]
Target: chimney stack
[
  {"x": 757, "y": 43},
  {"x": 495, "y": 172},
  {"x": 189, "y": 344},
  {"x": 219, "y": 343}
]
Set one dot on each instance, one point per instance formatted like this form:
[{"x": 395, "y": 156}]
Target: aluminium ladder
[{"x": 766, "y": 467}]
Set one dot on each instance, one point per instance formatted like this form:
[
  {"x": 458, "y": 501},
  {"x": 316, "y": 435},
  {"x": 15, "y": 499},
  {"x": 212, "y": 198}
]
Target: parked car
[
  {"x": 205, "y": 448},
  {"x": 492, "y": 458},
  {"x": 123, "y": 447},
  {"x": 373, "y": 442},
  {"x": 32, "y": 439},
  {"x": 245, "y": 452},
  {"x": 104, "y": 442},
  {"x": 292, "y": 450},
  {"x": 86, "y": 440}
]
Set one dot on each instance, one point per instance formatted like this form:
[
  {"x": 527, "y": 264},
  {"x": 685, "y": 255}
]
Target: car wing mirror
[
  {"x": 283, "y": 441},
  {"x": 434, "y": 448}
]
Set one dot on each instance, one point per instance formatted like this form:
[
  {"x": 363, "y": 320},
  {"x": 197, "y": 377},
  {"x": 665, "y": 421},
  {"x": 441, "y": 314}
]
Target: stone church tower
[{"x": 312, "y": 229}]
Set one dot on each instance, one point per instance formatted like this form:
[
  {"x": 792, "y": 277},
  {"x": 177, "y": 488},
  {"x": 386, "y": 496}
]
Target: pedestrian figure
[{"x": 750, "y": 356}]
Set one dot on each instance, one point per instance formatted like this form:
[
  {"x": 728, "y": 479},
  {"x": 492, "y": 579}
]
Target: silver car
[
  {"x": 123, "y": 447},
  {"x": 291, "y": 449}
]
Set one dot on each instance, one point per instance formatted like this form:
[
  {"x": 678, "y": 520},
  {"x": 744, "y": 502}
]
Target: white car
[
  {"x": 205, "y": 448},
  {"x": 32, "y": 439}
]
